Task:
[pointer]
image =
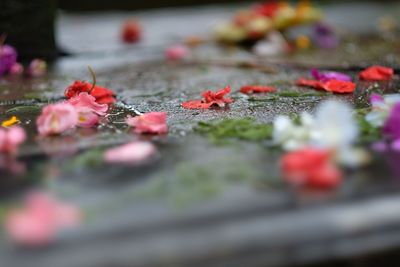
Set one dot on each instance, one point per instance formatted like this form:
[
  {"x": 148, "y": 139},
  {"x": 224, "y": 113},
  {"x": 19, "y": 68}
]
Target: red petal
[
  {"x": 248, "y": 89},
  {"x": 131, "y": 32},
  {"x": 196, "y": 104},
  {"x": 106, "y": 100},
  {"x": 376, "y": 73},
  {"x": 220, "y": 94},
  {"x": 326, "y": 176},
  {"x": 310, "y": 83},
  {"x": 336, "y": 86},
  {"x": 76, "y": 88}
]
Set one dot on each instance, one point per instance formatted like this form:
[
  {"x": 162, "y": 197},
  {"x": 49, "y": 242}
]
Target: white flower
[
  {"x": 290, "y": 135},
  {"x": 334, "y": 125}
]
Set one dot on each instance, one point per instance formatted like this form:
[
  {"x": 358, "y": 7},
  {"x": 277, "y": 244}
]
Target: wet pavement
[{"x": 197, "y": 202}]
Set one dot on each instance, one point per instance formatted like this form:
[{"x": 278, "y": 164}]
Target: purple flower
[
  {"x": 8, "y": 57},
  {"x": 391, "y": 128},
  {"x": 329, "y": 75},
  {"x": 325, "y": 37}
]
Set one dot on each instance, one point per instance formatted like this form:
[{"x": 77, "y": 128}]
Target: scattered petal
[
  {"x": 210, "y": 99},
  {"x": 84, "y": 100},
  {"x": 135, "y": 152},
  {"x": 249, "y": 89},
  {"x": 329, "y": 75},
  {"x": 391, "y": 128},
  {"x": 341, "y": 87},
  {"x": 39, "y": 220},
  {"x": 11, "y": 138},
  {"x": 176, "y": 52},
  {"x": 131, "y": 31},
  {"x": 57, "y": 118},
  {"x": 310, "y": 167},
  {"x": 376, "y": 73},
  {"x": 101, "y": 94},
  {"x": 152, "y": 122},
  {"x": 10, "y": 122},
  {"x": 16, "y": 69},
  {"x": 37, "y": 68}
]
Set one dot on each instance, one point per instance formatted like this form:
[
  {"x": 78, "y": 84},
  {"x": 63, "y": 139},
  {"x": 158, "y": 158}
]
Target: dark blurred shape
[
  {"x": 29, "y": 26},
  {"x": 77, "y": 5}
]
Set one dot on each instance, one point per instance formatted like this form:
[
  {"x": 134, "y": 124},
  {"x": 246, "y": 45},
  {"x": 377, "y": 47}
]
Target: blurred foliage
[{"x": 246, "y": 129}]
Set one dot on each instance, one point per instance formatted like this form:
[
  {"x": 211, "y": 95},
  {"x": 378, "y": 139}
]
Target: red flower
[
  {"x": 376, "y": 73},
  {"x": 310, "y": 167},
  {"x": 131, "y": 31},
  {"x": 249, "y": 89},
  {"x": 210, "y": 99},
  {"x": 103, "y": 95},
  {"x": 334, "y": 86}
]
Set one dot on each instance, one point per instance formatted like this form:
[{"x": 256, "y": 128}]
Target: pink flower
[
  {"x": 57, "y": 118},
  {"x": 176, "y": 52},
  {"x": 88, "y": 109},
  {"x": 135, "y": 152},
  {"x": 39, "y": 220},
  {"x": 37, "y": 68},
  {"x": 152, "y": 122},
  {"x": 11, "y": 138}
]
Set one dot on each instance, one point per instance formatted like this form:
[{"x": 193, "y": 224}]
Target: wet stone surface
[{"x": 164, "y": 211}]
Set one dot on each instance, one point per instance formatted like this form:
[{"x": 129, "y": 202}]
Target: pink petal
[
  {"x": 28, "y": 229},
  {"x": 176, "y": 52},
  {"x": 152, "y": 122},
  {"x": 135, "y": 152},
  {"x": 57, "y": 118},
  {"x": 85, "y": 100}
]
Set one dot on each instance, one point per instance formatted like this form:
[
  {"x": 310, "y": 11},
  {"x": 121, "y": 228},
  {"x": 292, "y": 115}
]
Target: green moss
[{"x": 245, "y": 129}]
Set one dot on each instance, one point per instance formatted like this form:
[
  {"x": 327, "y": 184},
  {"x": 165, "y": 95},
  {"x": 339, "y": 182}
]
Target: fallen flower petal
[
  {"x": 152, "y": 122},
  {"x": 57, "y": 118},
  {"x": 210, "y": 99},
  {"x": 376, "y": 73},
  {"x": 16, "y": 69},
  {"x": 13, "y": 120},
  {"x": 249, "y": 89},
  {"x": 310, "y": 83},
  {"x": 333, "y": 86},
  {"x": 135, "y": 152},
  {"x": 391, "y": 128},
  {"x": 84, "y": 100},
  {"x": 310, "y": 167},
  {"x": 329, "y": 75},
  {"x": 336, "y": 86},
  {"x": 11, "y": 138},
  {"x": 101, "y": 94},
  {"x": 131, "y": 31},
  {"x": 40, "y": 218},
  {"x": 176, "y": 52},
  {"x": 37, "y": 68}
]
